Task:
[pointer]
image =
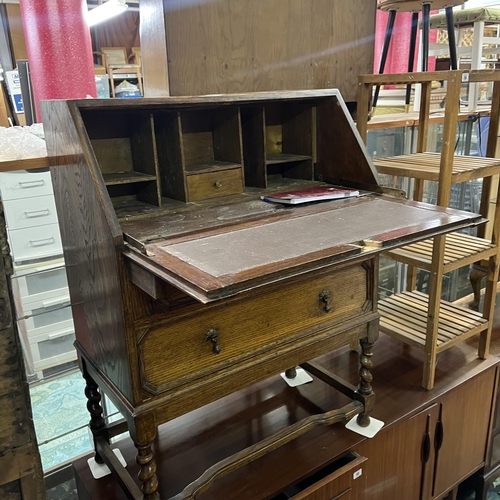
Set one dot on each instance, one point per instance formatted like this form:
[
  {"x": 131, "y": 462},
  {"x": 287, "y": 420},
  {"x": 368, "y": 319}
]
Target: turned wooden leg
[
  {"x": 476, "y": 275},
  {"x": 365, "y": 380},
  {"x": 143, "y": 433},
  {"x": 97, "y": 423},
  {"x": 291, "y": 372}
]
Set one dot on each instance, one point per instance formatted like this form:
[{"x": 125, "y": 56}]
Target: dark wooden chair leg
[
  {"x": 426, "y": 11},
  {"x": 385, "y": 50},
  {"x": 411, "y": 53},
  {"x": 476, "y": 275},
  {"x": 97, "y": 423},
  {"x": 450, "y": 26}
]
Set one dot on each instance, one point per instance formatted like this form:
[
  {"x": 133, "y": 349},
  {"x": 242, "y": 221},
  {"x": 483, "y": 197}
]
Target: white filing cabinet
[{"x": 39, "y": 282}]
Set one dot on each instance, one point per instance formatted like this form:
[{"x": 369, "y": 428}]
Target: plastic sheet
[{"x": 17, "y": 143}]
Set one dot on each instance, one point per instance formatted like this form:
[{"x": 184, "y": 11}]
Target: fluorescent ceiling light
[{"x": 105, "y": 11}]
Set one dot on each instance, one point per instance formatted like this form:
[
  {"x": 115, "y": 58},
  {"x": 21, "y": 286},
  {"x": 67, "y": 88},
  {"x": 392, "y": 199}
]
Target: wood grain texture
[
  {"x": 16, "y": 32},
  {"x": 234, "y": 45},
  {"x": 228, "y": 425},
  {"x": 19, "y": 455},
  {"x": 154, "y": 52},
  {"x": 464, "y": 449},
  {"x": 91, "y": 258},
  {"x": 120, "y": 31},
  {"x": 272, "y": 321}
]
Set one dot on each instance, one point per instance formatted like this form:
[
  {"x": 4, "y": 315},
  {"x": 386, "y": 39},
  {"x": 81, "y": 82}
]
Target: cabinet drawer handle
[
  {"x": 41, "y": 243},
  {"x": 324, "y": 297},
  {"x": 31, "y": 184},
  {"x": 212, "y": 335},
  {"x": 218, "y": 184},
  {"x": 37, "y": 213}
]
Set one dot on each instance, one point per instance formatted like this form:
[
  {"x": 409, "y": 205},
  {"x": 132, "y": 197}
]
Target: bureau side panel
[{"x": 91, "y": 241}]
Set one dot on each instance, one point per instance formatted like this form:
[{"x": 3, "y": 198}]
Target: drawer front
[
  {"x": 15, "y": 185},
  {"x": 35, "y": 242},
  {"x": 214, "y": 184},
  {"x": 53, "y": 352},
  {"x": 43, "y": 322},
  {"x": 42, "y": 288},
  {"x": 30, "y": 212},
  {"x": 344, "y": 483},
  {"x": 176, "y": 350}
]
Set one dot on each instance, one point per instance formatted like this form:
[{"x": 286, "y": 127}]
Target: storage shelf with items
[
  {"x": 428, "y": 321},
  {"x": 39, "y": 283}
]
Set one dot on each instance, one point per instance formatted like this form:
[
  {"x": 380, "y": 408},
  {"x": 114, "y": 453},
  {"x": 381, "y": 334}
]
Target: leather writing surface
[{"x": 243, "y": 249}]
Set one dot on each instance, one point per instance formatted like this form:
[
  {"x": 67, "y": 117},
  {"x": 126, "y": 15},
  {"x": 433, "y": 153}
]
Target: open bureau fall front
[{"x": 186, "y": 286}]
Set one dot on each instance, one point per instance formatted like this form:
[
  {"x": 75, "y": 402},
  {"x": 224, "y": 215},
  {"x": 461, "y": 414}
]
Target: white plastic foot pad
[
  {"x": 301, "y": 378},
  {"x": 101, "y": 470},
  {"x": 370, "y": 431}
]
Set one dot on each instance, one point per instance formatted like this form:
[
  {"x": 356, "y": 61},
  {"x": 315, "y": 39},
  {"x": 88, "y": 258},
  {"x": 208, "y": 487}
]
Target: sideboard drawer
[
  {"x": 341, "y": 484},
  {"x": 177, "y": 349},
  {"x": 30, "y": 212},
  {"x": 35, "y": 242},
  {"x": 21, "y": 184},
  {"x": 214, "y": 184}
]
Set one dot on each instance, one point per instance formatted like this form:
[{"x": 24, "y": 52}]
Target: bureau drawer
[
  {"x": 30, "y": 212},
  {"x": 214, "y": 184},
  {"x": 21, "y": 184},
  {"x": 174, "y": 350},
  {"x": 35, "y": 242}
]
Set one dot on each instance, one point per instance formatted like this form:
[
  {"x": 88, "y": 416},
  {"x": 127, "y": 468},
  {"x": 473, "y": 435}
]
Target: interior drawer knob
[
  {"x": 324, "y": 297},
  {"x": 212, "y": 335},
  {"x": 218, "y": 184}
]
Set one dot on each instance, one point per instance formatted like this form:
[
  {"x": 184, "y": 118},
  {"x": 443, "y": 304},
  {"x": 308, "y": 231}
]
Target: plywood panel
[
  {"x": 16, "y": 32},
  {"x": 240, "y": 46},
  {"x": 121, "y": 31}
]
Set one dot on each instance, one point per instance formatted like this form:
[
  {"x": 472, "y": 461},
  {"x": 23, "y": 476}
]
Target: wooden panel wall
[
  {"x": 120, "y": 31},
  {"x": 227, "y": 46},
  {"x": 16, "y": 32}
]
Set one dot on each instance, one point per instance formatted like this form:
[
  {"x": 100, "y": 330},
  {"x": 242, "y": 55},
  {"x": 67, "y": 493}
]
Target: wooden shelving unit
[{"x": 421, "y": 320}]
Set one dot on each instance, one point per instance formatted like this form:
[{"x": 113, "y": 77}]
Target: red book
[{"x": 316, "y": 193}]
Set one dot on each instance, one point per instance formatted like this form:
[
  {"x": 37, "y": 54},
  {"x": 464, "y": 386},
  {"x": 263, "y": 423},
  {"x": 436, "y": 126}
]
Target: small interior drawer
[
  {"x": 214, "y": 184},
  {"x": 22, "y": 184},
  {"x": 35, "y": 242},
  {"x": 30, "y": 212}
]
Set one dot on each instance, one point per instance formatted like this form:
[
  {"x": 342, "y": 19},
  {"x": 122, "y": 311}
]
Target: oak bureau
[{"x": 186, "y": 286}]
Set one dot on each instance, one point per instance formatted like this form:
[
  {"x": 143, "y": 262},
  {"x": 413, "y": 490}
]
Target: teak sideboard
[{"x": 187, "y": 287}]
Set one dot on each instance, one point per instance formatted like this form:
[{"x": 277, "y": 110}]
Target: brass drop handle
[
  {"x": 212, "y": 335},
  {"x": 218, "y": 184},
  {"x": 324, "y": 296}
]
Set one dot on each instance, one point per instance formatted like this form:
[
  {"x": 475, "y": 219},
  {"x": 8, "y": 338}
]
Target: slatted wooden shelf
[
  {"x": 426, "y": 166},
  {"x": 404, "y": 316},
  {"x": 461, "y": 250}
]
